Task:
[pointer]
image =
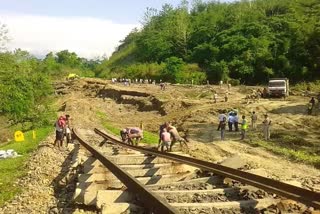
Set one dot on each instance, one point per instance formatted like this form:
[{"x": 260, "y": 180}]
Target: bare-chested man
[
  {"x": 176, "y": 137},
  {"x": 130, "y": 133}
]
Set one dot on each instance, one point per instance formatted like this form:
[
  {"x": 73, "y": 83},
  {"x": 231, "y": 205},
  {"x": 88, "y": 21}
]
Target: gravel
[{"x": 48, "y": 185}]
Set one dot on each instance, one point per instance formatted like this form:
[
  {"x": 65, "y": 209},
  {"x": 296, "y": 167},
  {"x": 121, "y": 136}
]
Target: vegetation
[
  {"x": 249, "y": 41},
  {"x": 148, "y": 137},
  {"x": 290, "y": 145},
  {"x": 310, "y": 86},
  {"x": 14, "y": 168},
  {"x": 26, "y": 82}
]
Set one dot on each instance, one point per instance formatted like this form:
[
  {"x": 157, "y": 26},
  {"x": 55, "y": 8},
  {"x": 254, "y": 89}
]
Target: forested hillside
[
  {"x": 26, "y": 82},
  {"x": 249, "y": 41}
]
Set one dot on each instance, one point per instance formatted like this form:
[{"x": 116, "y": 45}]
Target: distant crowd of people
[
  {"x": 232, "y": 120},
  {"x": 127, "y": 81},
  {"x": 63, "y": 130}
]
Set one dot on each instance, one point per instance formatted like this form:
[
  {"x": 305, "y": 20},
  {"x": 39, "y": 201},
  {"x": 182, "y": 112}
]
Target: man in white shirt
[
  {"x": 220, "y": 117},
  {"x": 230, "y": 120}
]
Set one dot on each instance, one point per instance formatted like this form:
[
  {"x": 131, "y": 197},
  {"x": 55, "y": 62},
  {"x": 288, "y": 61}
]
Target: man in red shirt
[{"x": 60, "y": 126}]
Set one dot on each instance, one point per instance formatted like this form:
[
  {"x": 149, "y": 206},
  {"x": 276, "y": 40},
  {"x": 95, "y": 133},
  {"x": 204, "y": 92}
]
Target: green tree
[
  {"x": 173, "y": 65},
  {"x": 68, "y": 58}
]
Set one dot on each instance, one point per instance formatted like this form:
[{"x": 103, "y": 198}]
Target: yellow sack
[{"x": 18, "y": 136}]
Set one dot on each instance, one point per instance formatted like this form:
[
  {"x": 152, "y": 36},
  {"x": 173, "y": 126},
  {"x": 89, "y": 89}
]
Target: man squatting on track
[{"x": 130, "y": 133}]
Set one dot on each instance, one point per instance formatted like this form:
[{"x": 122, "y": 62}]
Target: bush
[
  {"x": 303, "y": 86},
  {"x": 190, "y": 72},
  {"x": 234, "y": 82}
]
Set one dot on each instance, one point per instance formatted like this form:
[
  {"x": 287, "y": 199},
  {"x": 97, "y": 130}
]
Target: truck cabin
[
  {"x": 277, "y": 83},
  {"x": 277, "y": 88}
]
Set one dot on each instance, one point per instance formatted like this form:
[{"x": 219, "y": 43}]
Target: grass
[
  {"x": 288, "y": 146},
  {"x": 148, "y": 137},
  {"x": 303, "y": 86},
  {"x": 12, "y": 169}
]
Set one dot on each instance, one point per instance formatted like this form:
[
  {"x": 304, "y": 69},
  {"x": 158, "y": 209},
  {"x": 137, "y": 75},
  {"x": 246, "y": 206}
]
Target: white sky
[{"x": 88, "y": 37}]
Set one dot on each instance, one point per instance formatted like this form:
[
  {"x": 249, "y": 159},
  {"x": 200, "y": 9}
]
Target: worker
[
  {"x": 244, "y": 126},
  {"x": 175, "y": 137},
  {"x": 220, "y": 117},
  {"x": 223, "y": 127},
  {"x": 60, "y": 126},
  {"x": 266, "y": 127},
  {"x": 162, "y": 86},
  {"x": 226, "y": 96},
  {"x": 161, "y": 129},
  {"x": 165, "y": 140},
  {"x": 265, "y": 93},
  {"x": 221, "y": 83},
  {"x": 230, "y": 120},
  {"x": 236, "y": 121},
  {"x": 130, "y": 133},
  {"x": 254, "y": 119},
  {"x": 313, "y": 102}
]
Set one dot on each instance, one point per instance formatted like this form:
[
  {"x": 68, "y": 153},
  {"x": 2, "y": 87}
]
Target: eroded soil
[{"x": 192, "y": 110}]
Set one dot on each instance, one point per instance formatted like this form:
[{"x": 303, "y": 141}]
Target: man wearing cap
[{"x": 266, "y": 127}]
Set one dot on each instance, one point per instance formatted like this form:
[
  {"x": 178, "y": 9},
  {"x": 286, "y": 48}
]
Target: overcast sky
[{"x": 91, "y": 28}]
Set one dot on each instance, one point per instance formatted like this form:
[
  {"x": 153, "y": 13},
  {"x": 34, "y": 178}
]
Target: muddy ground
[{"x": 192, "y": 110}]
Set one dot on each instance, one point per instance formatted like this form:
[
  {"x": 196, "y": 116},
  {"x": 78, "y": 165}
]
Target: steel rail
[
  {"x": 282, "y": 189},
  {"x": 155, "y": 203}
]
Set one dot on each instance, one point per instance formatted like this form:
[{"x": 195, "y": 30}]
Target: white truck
[{"x": 278, "y": 87}]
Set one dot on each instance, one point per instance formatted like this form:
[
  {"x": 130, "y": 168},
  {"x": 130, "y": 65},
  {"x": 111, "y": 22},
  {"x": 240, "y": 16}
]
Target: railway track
[{"x": 121, "y": 178}]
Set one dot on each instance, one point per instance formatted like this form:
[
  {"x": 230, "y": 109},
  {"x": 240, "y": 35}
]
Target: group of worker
[
  {"x": 168, "y": 136},
  {"x": 63, "y": 130},
  {"x": 233, "y": 120}
]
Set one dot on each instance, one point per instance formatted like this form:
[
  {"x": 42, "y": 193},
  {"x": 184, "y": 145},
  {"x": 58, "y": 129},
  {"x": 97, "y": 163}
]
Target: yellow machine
[{"x": 72, "y": 76}]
